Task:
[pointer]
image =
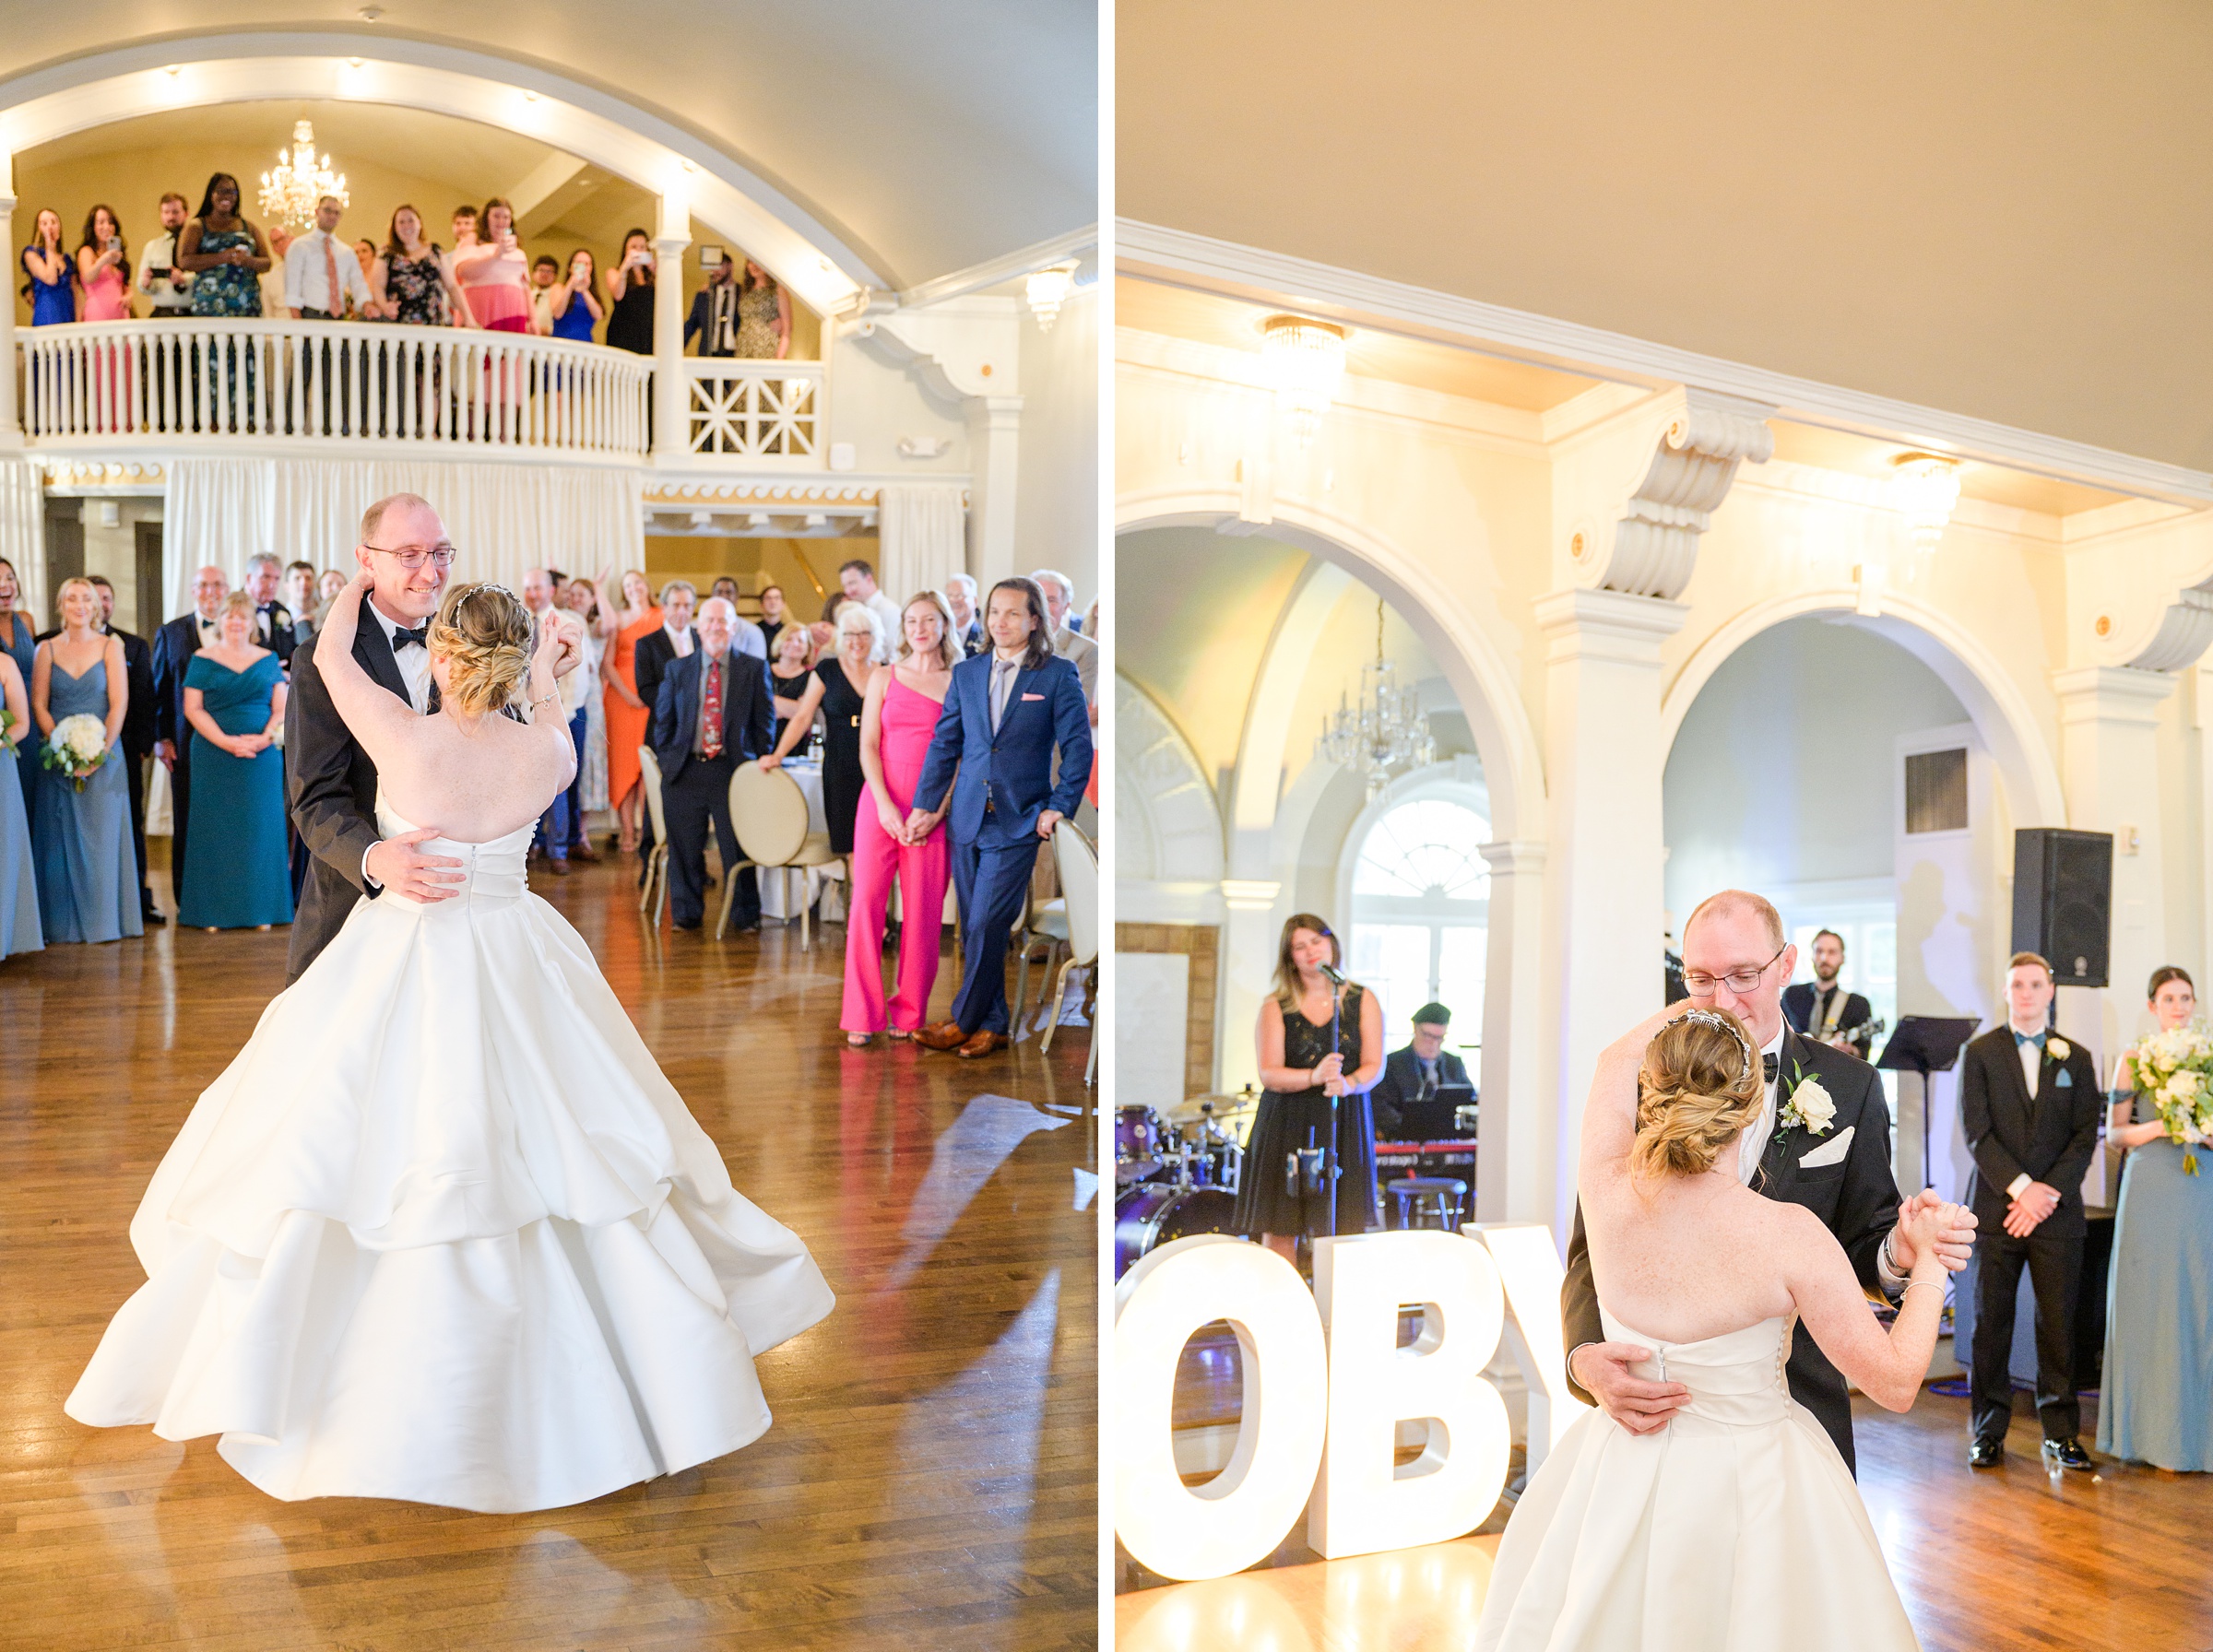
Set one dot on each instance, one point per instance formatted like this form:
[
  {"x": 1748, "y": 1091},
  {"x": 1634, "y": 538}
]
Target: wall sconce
[
  {"x": 1048, "y": 289},
  {"x": 1924, "y": 490},
  {"x": 1305, "y": 360}
]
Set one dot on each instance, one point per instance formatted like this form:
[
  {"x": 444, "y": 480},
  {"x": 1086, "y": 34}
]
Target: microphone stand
[{"x": 1329, "y": 1151}]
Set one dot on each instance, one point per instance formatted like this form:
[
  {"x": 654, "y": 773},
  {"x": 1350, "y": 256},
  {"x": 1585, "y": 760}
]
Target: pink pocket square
[{"x": 1033, "y": 696}]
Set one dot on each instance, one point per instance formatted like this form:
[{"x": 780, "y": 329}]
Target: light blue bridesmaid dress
[
  {"x": 19, "y": 929},
  {"x": 2157, "y": 1404},
  {"x": 87, "y": 872},
  {"x": 237, "y": 865}
]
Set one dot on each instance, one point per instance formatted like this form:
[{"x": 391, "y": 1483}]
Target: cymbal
[{"x": 1187, "y": 1112}]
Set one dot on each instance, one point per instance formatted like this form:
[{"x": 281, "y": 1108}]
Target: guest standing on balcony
[
  {"x": 239, "y": 875},
  {"x": 103, "y": 275},
  {"x": 166, "y": 287},
  {"x": 413, "y": 280},
  {"x": 322, "y": 274},
  {"x": 82, "y": 837},
  {"x": 575, "y": 302},
  {"x": 494, "y": 274},
  {"x": 905, "y": 700},
  {"x": 366, "y": 308},
  {"x": 764, "y": 316},
  {"x": 174, "y": 645},
  {"x": 627, "y": 712},
  {"x": 225, "y": 254},
  {"x": 630, "y": 284},
  {"x": 52, "y": 285},
  {"x": 545, "y": 278},
  {"x": 19, "y": 929}
]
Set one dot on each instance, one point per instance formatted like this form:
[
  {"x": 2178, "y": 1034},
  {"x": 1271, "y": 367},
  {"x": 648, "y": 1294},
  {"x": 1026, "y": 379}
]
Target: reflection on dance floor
[{"x": 1408, "y": 1600}]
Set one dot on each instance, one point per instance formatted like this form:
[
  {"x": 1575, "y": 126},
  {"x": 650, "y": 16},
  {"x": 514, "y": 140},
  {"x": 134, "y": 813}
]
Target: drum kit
[{"x": 1176, "y": 1171}]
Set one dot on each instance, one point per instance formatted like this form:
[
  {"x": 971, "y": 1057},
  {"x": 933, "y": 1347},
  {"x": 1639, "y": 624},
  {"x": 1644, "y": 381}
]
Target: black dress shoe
[
  {"x": 679, "y": 924},
  {"x": 2067, "y": 1454},
  {"x": 152, "y": 917},
  {"x": 1986, "y": 1453}
]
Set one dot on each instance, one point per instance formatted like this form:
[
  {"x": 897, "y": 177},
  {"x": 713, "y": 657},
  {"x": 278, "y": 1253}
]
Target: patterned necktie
[
  {"x": 711, "y": 743},
  {"x": 330, "y": 274}
]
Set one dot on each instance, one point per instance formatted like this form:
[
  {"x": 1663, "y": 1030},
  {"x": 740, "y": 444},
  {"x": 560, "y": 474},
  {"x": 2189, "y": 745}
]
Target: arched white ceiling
[{"x": 904, "y": 142}]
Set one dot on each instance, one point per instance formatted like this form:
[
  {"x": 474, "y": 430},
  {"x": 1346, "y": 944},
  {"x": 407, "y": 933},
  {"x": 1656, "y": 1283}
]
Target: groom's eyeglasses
[
  {"x": 412, "y": 557},
  {"x": 1700, "y": 985}
]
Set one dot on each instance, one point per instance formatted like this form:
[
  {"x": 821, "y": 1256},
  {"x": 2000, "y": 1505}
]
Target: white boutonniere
[
  {"x": 2059, "y": 1048},
  {"x": 1808, "y": 1106}
]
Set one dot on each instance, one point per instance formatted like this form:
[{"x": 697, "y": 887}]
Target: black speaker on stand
[{"x": 2063, "y": 902}]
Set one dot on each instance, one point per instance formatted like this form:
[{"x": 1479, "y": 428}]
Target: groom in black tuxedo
[
  {"x": 2028, "y": 1102},
  {"x": 1823, "y": 1140}
]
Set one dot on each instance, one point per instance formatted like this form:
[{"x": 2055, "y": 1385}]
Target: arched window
[{"x": 1421, "y": 915}]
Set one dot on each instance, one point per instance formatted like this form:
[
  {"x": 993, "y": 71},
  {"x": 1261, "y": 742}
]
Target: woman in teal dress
[
  {"x": 80, "y": 840},
  {"x": 20, "y": 930},
  {"x": 2157, "y": 1404},
  {"x": 237, "y": 865}
]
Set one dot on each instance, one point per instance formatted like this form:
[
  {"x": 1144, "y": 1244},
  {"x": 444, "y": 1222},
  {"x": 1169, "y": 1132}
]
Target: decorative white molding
[
  {"x": 1250, "y": 894},
  {"x": 1008, "y": 266},
  {"x": 959, "y": 349},
  {"x": 1615, "y": 625},
  {"x": 633, "y": 141},
  {"x": 2184, "y": 629},
  {"x": 2111, "y": 694},
  {"x": 1360, "y": 300}
]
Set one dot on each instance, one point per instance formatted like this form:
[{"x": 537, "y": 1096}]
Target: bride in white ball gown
[
  {"x": 442, "y": 1231},
  {"x": 1738, "y": 1526}
]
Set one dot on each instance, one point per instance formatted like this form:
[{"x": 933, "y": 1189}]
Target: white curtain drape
[
  {"x": 502, "y": 518},
  {"x": 23, "y": 536},
  {"x": 922, "y": 538}
]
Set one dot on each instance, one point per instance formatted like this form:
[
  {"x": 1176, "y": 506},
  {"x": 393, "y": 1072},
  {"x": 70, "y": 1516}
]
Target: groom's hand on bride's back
[
  {"x": 1641, "y": 1407},
  {"x": 396, "y": 865}
]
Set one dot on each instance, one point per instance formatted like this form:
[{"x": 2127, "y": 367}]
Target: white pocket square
[{"x": 1829, "y": 1153}]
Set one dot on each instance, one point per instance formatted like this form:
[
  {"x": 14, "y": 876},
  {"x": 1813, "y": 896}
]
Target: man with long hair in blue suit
[{"x": 1006, "y": 712}]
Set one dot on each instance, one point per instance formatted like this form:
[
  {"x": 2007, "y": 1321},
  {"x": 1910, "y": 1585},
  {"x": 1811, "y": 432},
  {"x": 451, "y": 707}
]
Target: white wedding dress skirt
[
  {"x": 442, "y": 1231},
  {"x": 1736, "y": 1529}
]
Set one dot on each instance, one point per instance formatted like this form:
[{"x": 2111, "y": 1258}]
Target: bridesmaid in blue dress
[
  {"x": 237, "y": 865},
  {"x": 2157, "y": 1406},
  {"x": 18, "y": 640},
  {"x": 88, "y": 873},
  {"x": 20, "y": 930}
]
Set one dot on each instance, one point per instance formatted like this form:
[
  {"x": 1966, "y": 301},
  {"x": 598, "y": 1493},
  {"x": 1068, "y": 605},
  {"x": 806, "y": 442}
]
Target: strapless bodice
[
  {"x": 495, "y": 872},
  {"x": 1735, "y": 1378}
]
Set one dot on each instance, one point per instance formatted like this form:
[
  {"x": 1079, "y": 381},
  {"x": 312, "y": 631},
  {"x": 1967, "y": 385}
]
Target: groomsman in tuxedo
[
  {"x": 174, "y": 645},
  {"x": 712, "y": 711},
  {"x": 1006, "y": 715},
  {"x": 2028, "y": 1102},
  {"x": 272, "y": 620},
  {"x": 1822, "y": 1141},
  {"x": 1414, "y": 1073},
  {"x": 1820, "y": 1007},
  {"x": 137, "y": 728}
]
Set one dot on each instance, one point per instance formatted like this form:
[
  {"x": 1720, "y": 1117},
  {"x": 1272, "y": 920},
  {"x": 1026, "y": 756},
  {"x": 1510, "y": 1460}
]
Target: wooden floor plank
[{"x": 929, "y": 1479}]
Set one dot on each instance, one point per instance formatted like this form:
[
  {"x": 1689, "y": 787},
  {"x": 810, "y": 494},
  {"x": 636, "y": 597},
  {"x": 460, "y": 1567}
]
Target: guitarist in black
[{"x": 1822, "y": 1009}]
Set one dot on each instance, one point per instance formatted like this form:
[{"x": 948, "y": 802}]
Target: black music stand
[{"x": 1926, "y": 1045}]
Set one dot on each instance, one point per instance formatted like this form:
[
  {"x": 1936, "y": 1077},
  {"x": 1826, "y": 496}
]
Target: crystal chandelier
[
  {"x": 289, "y": 194},
  {"x": 1926, "y": 489},
  {"x": 1305, "y": 360},
  {"x": 1385, "y": 731},
  {"x": 1047, "y": 290}
]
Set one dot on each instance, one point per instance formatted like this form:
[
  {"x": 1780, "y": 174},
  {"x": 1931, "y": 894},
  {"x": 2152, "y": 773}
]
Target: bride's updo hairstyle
[
  {"x": 1699, "y": 1086},
  {"x": 482, "y": 632}
]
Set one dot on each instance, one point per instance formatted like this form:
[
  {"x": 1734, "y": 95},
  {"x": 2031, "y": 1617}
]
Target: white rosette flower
[
  {"x": 77, "y": 746},
  {"x": 1810, "y": 1105}
]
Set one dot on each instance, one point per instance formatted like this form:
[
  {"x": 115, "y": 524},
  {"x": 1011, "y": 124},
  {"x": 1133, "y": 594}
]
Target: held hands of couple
[
  {"x": 1930, "y": 1222},
  {"x": 396, "y": 866}
]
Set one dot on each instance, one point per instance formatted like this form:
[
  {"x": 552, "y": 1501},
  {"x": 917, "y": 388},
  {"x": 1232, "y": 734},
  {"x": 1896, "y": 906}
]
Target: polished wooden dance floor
[
  {"x": 2010, "y": 1558},
  {"x": 930, "y": 1477}
]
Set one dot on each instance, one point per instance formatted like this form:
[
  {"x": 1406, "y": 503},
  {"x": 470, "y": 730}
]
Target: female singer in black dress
[
  {"x": 839, "y": 689},
  {"x": 1301, "y": 1073}
]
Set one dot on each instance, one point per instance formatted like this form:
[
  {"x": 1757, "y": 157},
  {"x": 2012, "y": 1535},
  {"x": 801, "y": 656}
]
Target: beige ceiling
[
  {"x": 928, "y": 137},
  {"x": 1990, "y": 208},
  {"x": 1210, "y": 318}
]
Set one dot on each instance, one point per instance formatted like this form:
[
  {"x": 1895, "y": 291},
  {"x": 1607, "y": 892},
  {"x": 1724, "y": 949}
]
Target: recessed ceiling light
[
  {"x": 369, "y": 13},
  {"x": 171, "y": 70},
  {"x": 353, "y": 63}
]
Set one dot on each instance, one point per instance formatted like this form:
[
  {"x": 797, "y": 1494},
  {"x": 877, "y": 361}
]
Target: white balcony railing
[
  {"x": 104, "y": 383},
  {"x": 754, "y": 410}
]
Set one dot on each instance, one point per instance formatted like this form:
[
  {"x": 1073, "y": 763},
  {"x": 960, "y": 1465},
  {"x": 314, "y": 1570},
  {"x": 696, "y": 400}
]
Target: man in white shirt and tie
[{"x": 320, "y": 272}]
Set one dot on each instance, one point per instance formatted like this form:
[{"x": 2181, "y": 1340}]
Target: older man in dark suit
[
  {"x": 174, "y": 645},
  {"x": 2028, "y": 1102}
]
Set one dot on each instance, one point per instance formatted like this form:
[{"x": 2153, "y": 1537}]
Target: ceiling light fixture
[
  {"x": 289, "y": 194},
  {"x": 1048, "y": 289},
  {"x": 1926, "y": 489},
  {"x": 1305, "y": 360},
  {"x": 1385, "y": 731}
]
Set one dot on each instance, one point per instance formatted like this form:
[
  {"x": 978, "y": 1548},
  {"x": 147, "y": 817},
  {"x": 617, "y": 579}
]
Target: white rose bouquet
[
  {"x": 2176, "y": 1069},
  {"x": 77, "y": 746}
]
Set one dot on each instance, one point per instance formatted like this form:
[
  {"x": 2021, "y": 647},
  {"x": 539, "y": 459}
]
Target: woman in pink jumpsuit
[{"x": 897, "y": 718}]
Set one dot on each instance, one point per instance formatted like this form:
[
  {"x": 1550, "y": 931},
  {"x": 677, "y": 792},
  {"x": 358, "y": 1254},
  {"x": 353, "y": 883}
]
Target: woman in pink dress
[
  {"x": 495, "y": 279},
  {"x": 103, "y": 271},
  {"x": 897, "y": 718}
]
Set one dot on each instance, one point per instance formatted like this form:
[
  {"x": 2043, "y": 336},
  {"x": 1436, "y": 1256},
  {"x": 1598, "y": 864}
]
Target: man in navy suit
[
  {"x": 1005, "y": 713},
  {"x": 712, "y": 711},
  {"x": 174, "y": 645}
]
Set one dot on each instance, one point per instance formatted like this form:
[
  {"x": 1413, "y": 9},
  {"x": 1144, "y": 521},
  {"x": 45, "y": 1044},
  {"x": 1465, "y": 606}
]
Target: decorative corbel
[{"x": 1636, "y": 490}]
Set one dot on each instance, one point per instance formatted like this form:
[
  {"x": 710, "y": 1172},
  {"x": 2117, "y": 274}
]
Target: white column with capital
[
  {"x": 994, "y": 432},
  {"x": 1605, "y": 906},
  {"x": 1517, "y": 1111},
  {"x": 2109, "y": 766},
  {"x": 672, "y": 387},
  {"x": 11, "y": 427}
]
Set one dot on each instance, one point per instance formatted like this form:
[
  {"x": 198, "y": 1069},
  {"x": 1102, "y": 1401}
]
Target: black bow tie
[
  {"x": 402, "y": 636},
  {"x": 1770, "y": 1064}
]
